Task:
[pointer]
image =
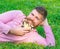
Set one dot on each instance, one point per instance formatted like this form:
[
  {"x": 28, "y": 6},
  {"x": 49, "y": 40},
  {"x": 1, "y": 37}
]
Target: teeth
[{"x": 26, "y": 25}]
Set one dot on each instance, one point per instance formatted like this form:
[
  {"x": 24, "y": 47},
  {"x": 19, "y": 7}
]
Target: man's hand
[{"x": 19, "y": 31}]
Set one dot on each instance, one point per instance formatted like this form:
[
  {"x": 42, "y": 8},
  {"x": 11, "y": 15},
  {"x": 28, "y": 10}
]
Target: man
[{"x": 12, "y": 31}]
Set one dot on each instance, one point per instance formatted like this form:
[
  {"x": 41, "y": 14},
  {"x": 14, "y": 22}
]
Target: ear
[
  {"x": 41, "y": 24},
  {"x": 44, "y": 22}
]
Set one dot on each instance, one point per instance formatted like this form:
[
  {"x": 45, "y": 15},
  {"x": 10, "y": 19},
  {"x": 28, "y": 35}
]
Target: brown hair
[{"x": 42, "y": 11}]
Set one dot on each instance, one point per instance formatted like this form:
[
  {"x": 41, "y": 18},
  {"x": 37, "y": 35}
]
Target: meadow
[{"x": 26, "y": 6}]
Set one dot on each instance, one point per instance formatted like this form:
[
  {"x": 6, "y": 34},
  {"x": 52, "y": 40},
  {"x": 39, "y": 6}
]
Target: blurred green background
[{"x": 53, "y": 8}]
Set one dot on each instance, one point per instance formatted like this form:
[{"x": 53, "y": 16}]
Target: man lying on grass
[{"x": 16, "y": 27}]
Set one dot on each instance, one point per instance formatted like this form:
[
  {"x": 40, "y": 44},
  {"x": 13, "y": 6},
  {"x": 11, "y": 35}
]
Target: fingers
[
  {"x": 26, "y": 31},
  {"x": 26, "y": 28}
]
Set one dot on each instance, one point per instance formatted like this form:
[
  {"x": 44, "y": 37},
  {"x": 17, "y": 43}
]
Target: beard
[
  {"x": 29, "y": 21},
  {"x": 32, "y": 22}
]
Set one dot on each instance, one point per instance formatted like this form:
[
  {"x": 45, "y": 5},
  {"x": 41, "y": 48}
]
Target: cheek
[
  {"x": 30, "y": 16},
  {"x": 36, "y": 22}
]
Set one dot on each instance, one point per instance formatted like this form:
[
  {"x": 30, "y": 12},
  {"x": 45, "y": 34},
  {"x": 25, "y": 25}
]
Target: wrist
[
  {"x": 10, "y": 31},
  {"x": 45, "y": 24}
]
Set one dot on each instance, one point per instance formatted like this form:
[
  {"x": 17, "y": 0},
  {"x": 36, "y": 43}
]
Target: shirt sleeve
[
  {"x": 10, "y": 15},
  {"x": 49, "y": 35},
  {"x": 10, "y": 19},
  {"x": 4, "y": 28}
]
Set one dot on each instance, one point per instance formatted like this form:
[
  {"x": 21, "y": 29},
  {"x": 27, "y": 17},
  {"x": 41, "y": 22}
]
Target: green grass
[
  {"x": 53, "y": 8},
  {"x": 20, "y": 46}
]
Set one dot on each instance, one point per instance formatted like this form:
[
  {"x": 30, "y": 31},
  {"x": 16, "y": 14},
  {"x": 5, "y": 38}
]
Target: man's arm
[
  {"x": 49, "y": 40},
  {"x": 10, "y": 15},
  {"x": 4, "y": 28},
  {"x": 49, "y": 34},
  {"x": 5, "y": 18}
]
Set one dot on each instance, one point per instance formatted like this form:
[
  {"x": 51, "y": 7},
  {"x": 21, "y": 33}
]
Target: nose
[{"x": 32, "y": 18}]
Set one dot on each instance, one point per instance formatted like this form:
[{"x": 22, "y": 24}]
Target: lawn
[{"x": 53, "y": 8}]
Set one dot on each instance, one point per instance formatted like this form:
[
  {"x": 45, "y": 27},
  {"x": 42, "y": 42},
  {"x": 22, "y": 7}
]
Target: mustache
[{"x": 30, "y": 20}]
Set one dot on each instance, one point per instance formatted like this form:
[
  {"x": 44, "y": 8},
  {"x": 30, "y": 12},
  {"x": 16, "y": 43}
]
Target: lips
[
  {"x": 28, "y": 20},
  {"x": 27, "y": 23}
]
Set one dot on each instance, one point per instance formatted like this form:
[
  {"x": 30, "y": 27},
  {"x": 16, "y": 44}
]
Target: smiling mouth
[{"x": 29, "y": 21}]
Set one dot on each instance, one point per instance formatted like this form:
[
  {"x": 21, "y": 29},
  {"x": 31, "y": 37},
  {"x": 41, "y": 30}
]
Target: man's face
[{"x": 35, "y": 18}]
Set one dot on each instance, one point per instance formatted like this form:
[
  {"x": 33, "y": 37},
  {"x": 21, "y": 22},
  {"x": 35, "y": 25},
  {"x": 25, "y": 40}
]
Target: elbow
[{"x": 52, "y": 43}]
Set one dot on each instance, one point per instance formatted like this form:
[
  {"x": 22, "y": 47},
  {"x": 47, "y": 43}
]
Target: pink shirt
[{"x": 14, "y": 18}]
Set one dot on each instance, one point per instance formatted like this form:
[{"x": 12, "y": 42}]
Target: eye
[
  {"x": 32, "y": 14},
  {"x": 37, "y": 18}
]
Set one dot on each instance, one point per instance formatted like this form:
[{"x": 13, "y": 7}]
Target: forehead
[{"x": 36, "y": 13}]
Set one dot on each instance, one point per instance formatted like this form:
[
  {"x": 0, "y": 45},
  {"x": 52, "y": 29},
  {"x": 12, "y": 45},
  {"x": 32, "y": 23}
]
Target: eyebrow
[
  {"x": 36, "y": 16},
  {"x": 32, "y": 13}
]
